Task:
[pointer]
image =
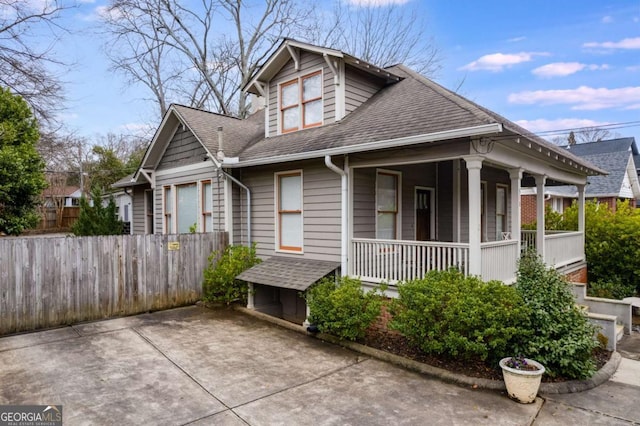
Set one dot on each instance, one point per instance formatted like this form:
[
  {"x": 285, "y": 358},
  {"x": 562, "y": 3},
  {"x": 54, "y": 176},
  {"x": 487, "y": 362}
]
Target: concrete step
[{"x": 619, "y": 332}]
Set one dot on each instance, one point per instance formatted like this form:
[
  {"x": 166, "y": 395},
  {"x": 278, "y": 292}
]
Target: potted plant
[{"x": 522, "y": 378}]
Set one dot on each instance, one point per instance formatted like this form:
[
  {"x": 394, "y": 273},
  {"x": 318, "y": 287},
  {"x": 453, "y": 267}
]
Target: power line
[{"x": 610, "y": 126}]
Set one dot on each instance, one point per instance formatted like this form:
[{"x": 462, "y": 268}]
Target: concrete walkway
[{"x": 197, "y": 366}]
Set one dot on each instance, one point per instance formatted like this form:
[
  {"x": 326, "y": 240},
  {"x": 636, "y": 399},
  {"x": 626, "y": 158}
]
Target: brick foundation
[{"x": 578, "y": 275}]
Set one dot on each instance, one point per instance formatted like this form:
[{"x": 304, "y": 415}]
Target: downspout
[
  {"x": 241, "y": 185},
  {"x": 344, "y": 228}
]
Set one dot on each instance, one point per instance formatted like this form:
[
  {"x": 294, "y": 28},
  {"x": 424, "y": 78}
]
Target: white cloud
[
  {"x": 104, "y": 13},
  {"x": 633, "y": 68},
  {"x": 582, "y": 98},
  {"x": 137, "y": 129},
  {"x": 376, "y": 3},
  {"x": 544, "y": 125},
  {"x": 607, "y": 19},
  {"x": 516, "y": 39},
  {"x": 499, "y": 61},
  {"x": 562, "y": 69},
  {"x": 627, "y": 43}
]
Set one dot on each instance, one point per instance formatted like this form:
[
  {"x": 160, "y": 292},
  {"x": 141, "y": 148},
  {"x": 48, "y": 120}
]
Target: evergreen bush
[
  {"x": 220, "y": 283},
  {"x": 446, "y": 313},
  {"x": 342, "y": 308},
  {"x": 97, "y": 219},
  {"x": 561, "y": 338}
]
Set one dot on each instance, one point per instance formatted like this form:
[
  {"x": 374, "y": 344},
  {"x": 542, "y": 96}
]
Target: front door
[{"x": 424, "y": 214}]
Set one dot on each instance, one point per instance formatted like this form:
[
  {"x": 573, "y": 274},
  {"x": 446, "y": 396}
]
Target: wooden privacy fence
[
  {"x": 49, "y": 218},
  {"x": 46, "y": 282}
]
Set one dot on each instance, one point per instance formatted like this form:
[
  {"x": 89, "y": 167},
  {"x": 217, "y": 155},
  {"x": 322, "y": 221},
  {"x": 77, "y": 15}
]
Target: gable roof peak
[{"x": 289, "y": 48}]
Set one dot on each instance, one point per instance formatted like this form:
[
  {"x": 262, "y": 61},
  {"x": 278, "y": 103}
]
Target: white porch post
[
  {"x": 474, "y": 165},
  {"x": 540, "y": 181},
  {"x": 250, "y": 304},
  {"x": 516, "y": 178},
  {"x": 581, "y": 226}
]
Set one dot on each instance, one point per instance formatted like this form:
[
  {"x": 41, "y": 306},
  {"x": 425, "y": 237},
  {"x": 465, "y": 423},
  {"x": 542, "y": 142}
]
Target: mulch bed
[{"x": 395, "y": 343}]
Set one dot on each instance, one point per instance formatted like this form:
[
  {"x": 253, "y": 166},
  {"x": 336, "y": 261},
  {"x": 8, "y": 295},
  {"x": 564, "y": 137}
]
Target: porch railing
[
  {"x": 500, "y": 260},
  {"x": 398, "y": 260},
  {"x": 561, "y": 248}
]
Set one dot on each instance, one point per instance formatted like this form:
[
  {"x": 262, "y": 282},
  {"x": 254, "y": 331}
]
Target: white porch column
[
  {"x": 516, "y": 179},
  {"x": 250, "y": 304},
  {"x": 540, "y": 181},
  {"x": 581, "y": 226},
  {"x": 474, "y": 165}
]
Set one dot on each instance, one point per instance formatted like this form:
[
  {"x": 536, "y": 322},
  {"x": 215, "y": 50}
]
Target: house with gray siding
[
  {"x": 349, "y": 168},
  {"x": 617, "y": 157}
]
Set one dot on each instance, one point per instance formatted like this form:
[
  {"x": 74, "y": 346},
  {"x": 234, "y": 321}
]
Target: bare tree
[
  {"x": 203, "y": 53},
  {"x": 381, "y": 35},
  {"x": 24, "y": 61},
  {"x": 585, "y": 135},
  {"x": 594, "y": 134},
  {"x": 200, "y": 54}
]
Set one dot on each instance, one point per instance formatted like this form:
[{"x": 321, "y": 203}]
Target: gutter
[
  {"x": 344, "y": 210},
  {"x": 484, "y": 129},
  {"x": 241, "y": 185}
]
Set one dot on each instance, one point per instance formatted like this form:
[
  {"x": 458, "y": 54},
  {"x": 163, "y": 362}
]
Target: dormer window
[{"x": 301, "y": 102}]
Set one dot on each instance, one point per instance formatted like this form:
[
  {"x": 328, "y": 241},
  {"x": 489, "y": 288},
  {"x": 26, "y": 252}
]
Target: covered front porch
[{"x": 411, "y": 217}]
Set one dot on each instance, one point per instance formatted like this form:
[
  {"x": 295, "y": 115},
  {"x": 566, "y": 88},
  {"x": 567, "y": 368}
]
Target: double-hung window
[
  {"x": 168, "y": 210},
  {"x": 501, "y": 212},
  {"x": 301, "y": 103},
  {"x": 206, "y": 206},
  {"x": 387, "y": 205},
  {"x": 186, "y": 207},
  {"x": 289, "y": 211}
]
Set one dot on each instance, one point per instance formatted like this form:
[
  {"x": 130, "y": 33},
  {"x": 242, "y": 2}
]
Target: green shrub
[
  {"x": 612, "y": 244},
  {"x": 446, "y": 313},
  {"x": 220, "y": 283},
  {"x": 610, "y": 289},
  {"x": 97, "y": 219},
  {"x": 342, "y": 307},
  {"x": 562, "y": 338}
]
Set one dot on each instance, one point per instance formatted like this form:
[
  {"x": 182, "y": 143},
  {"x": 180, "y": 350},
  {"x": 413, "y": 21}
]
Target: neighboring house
[
  {"x": 376, "y": 173},
  {"x": 65, "y": 196},
  {"x": 123, "y": 199},
  {"x": 616, "y": 156}
]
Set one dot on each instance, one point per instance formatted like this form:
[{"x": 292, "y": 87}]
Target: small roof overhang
[{"x": 288, "y": 272}]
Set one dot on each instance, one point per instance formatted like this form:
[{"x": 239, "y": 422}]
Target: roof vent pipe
[{"x": 220, "y": 153}]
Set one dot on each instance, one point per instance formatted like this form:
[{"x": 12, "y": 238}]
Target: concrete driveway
[{"x": 198, "y": 366}]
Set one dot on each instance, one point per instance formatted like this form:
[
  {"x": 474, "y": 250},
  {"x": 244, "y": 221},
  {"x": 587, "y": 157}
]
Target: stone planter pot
[{"x": 522, "y": 385}]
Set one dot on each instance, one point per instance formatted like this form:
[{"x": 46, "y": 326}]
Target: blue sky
[{"x": 546, "y": 65}]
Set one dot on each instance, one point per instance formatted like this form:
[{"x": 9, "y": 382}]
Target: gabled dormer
[{"x": 307, "y": 86}]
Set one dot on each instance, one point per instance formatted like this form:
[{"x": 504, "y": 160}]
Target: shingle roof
[
  {"x": 237, "y": 133},
  {"x": 611, "y": 155},
  {"x": 288, "y": 272},
  {"x": 65, "y": 191},
  {"x": 413, "y": 106},
  {"x": 603, "y": 147}
]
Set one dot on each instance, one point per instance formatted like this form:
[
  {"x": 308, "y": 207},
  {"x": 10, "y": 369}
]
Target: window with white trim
[
  {"x": 557, "y": 204},
  {"x": 186, "y": 207},
  {"x": 289, "y": 211},
  {"x": 168, "y": 210},
  {"x": 387, "y": 204},
  {"x": 301, "y": 103},
  {"x": 501, "y": 211},
  {"x": 206, "y": 205}
]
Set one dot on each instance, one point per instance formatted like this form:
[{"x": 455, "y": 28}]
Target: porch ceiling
[{"x": 288, "y": 272}]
